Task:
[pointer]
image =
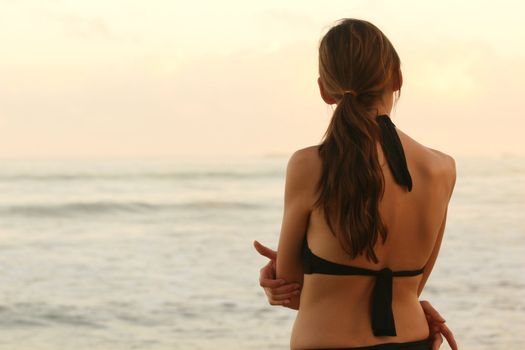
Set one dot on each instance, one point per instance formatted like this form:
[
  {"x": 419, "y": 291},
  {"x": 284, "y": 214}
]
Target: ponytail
[
  {"x": 357, "y": 63},
  {"x": 352, "y": 182}
]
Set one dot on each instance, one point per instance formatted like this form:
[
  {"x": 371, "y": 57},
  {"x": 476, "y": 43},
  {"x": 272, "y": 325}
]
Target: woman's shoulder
[
  {"x": 439, "y": 159},
  {"x": 306, "y": 164},
  {"x": 306, "y": 158},
  {"x": 302, "y": 174},
  {"x": 442, "y": 165},
  {"x": 439, "y": 166}
]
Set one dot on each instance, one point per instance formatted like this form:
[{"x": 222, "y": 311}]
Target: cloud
[
  {"x": 289, "y": 19},
  {"x": 464, "y": 97},
  {"x": 453, "y": 70},
  {"x": 82, "y": 27},
  {"x": 249, "y": 102}
]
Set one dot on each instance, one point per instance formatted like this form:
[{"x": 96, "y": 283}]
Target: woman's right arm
[
  {"x": 431, "y": 261},
  {"x": 437, "y": 245}
]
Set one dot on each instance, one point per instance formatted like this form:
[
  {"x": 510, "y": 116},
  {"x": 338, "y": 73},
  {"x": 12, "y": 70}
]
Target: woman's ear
[
  {"x": 399, "y": 82},
  {"x": 329, "y": 100}
]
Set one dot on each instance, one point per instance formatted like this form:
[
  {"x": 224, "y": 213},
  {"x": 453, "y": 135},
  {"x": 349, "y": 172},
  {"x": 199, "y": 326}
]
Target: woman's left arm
[{"x": 297, "y": 207}]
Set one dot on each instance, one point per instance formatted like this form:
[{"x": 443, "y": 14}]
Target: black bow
[
  {"x": 382, "y": 316},
  {"x": 393, "y": 150}
]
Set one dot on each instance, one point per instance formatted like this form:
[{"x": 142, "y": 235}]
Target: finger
[
  {"x": 436, "y": 343},
  {"x": 270, "y": 283},
  {"x": 267, "y": 271},
  {"x": 285, "y": 296},
  {"x": 279, "y": 302},
  {"x": 287, "y": 288},
  {"x": 437, "y": 316},
  {"x": 429, "y": 309},
  {"x": 263, "y": 250},
  {"x": 449, "y": 337},
  {"x": 433, "y": 325},
  {"x": 267, "y": 277},
  {"x": 435, "y": 329}
]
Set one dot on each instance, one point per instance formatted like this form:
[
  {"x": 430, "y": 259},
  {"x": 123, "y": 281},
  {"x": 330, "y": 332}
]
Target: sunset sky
[{"x": 160, "y": 78}]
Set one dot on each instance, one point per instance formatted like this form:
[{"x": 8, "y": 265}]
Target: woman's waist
[{"x": 337, "y": 320}]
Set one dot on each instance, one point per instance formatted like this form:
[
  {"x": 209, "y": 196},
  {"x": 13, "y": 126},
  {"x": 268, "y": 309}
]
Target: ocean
[{"x": 157, "y": 254}]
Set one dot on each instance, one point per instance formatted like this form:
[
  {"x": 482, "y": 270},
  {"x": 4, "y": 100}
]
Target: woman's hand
[
  {"x": 278, "y": 292},
  {"x": 437, "y": 326}
]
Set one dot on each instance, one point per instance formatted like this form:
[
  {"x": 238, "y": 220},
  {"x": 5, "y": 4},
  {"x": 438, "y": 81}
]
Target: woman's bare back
[{"x": 335, "y": 310}]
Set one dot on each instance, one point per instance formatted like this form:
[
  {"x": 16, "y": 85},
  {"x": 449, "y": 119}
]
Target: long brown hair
[{"x": 354, "y": 55}]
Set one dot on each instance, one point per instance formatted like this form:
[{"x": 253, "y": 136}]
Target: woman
[{"x": 364, "y": 211}]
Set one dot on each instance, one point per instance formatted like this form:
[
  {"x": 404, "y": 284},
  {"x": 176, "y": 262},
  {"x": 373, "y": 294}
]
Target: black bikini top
[{"x": 381, "y": 313}]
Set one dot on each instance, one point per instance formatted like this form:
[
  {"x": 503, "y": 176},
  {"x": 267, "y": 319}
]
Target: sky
[{"x": 221, "y": 78}]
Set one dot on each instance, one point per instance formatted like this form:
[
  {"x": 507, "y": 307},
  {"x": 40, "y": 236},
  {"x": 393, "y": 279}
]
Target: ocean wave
[
  {"x": 162, "y": 176},
  {"x": 111, "y": 207},
  {"x": 24, "y": 315}
]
